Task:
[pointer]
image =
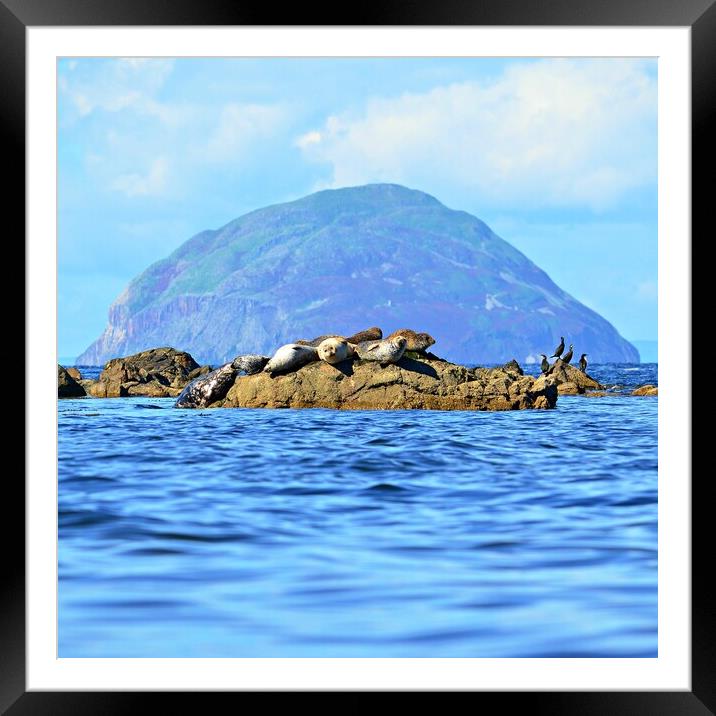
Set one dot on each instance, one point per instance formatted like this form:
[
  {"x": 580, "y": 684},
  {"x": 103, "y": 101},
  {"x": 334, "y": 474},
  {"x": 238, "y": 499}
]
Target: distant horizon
[{"x": 558, "y": 157}]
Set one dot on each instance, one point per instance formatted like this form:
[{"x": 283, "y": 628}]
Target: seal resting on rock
[
  {"x": 417, "y": 342},
  {"x": 388, "y": 351},
  {"x": 250, "y": 363},
  {"x": 289, "y": 358},
  {"x": 369, "y": 334},
  {"x": 207, "y": 389},
  {"x": 335, "y": 350}
]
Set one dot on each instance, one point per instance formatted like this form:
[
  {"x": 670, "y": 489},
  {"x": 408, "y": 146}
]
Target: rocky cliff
[{"x": 337, "y": 260}]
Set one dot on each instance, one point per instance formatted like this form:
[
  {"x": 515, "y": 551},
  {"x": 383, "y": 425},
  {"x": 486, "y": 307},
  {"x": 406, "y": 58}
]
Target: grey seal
[
  {"x": 369, "y": 334},
  {"x": 389, "y": 350},
  {"x": 417, "y": 342},
  {"x": 249, "y": 364},
  {"x": 207, "y": 389},
  {"x": 289, "y": 358}
]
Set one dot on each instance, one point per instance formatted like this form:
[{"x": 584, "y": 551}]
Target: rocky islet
[{"x": 416, "y": 381}]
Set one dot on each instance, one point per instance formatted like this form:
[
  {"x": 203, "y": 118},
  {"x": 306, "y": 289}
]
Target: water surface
[{"x": 318, "y": 533}]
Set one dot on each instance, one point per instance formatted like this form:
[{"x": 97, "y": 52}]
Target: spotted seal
[
  {"x": 369, "y": 334},
  {"x": 418, "y": 342},
  {"x": 289, "y": 358},
  {"x": 335, "y": 350},
  {"x": 388, "y": 351},
  {"x": 249, "y": 364},
  {"x": 207, "y": 389}
]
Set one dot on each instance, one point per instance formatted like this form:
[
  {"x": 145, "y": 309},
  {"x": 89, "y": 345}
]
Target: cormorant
[
  {"x": 568, "y": 355},
  {"x": 583, "y": 363},
  {"x": 545, "y": 364},
  {"x": 559, "y": 349}
]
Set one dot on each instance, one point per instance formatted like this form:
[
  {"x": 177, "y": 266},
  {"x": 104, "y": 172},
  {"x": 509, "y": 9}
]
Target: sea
[{"x": 325, "y": 533}]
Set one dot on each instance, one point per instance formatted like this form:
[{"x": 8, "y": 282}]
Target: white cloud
[
  {"x": 152, "y": 183},
  {"x": 116, "y": 84},
  {"x": 238, "y": 126},
  {"x": 129, "y": 120},
  {"x": 306, "y": 140},
  {"x": 553, "y": 132}
]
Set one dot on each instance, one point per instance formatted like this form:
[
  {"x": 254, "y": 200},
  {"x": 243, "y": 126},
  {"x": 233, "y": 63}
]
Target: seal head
[
  {"x": 417, "y": 342},
  {"x": 249, "y": 364},
  {"x": 335, "y": 350}
]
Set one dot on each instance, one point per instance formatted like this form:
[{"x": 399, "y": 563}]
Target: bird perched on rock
[
  {"x": 545, "y": 364},
  {"x": 568, "y": 355},
  {"x": 583, "y": 362},
  {"x": 559, "y": 349}
]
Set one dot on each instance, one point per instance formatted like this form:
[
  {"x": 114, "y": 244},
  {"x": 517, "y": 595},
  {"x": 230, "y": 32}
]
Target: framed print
[{"x": 446, "y": 245}]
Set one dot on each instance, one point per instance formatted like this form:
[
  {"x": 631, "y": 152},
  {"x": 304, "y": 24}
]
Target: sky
[{"x": 557, "y": 156}]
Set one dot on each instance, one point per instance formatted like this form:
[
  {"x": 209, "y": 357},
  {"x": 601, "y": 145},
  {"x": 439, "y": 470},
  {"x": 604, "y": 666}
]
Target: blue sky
[{"x": 558, "y": 156}]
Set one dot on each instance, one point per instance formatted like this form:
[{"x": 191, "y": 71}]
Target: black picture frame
[{"x": 699, "y": 15}]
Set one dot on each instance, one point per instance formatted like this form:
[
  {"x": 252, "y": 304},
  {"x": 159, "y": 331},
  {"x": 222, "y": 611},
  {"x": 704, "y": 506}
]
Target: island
[{"x": 416, "y": 381}]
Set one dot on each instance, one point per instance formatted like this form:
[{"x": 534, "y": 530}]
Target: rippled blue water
[{"x": 249, "y": 533}]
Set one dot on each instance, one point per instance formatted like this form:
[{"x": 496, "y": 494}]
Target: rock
[
  {"x": 408, "y": 384},
  {"x": 159, "y": 372},
  {"x": 75, "y": 373},
  {"x": 569, "y": 389},
  {"x": 646, "y": 390},
  {"x": 98, "y": 389},
  {"x": 416, "y": 355},
  {"x": 446, "y": 272},
  {"x": 201, "y": 370},
  {"x": 513, "y": 367},
  {"x": 562, "y": 373},
  {"x": 67, "y": 386},
  {"x": 154, "y": 390}
]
